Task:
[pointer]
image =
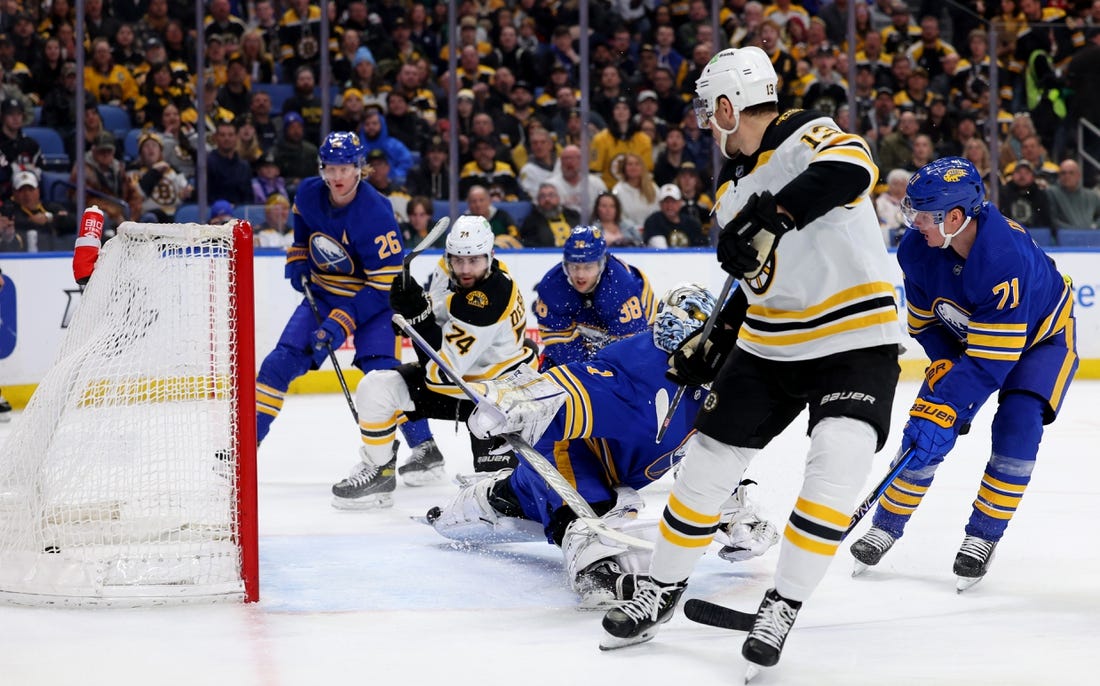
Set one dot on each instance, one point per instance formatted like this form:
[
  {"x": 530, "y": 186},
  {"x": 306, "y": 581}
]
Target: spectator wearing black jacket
[
  {"x": 1023, "y": 199},
  {"x": 228, "y": 176}
]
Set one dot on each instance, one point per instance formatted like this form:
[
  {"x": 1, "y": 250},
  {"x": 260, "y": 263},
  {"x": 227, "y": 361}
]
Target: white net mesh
[{"x": 117, "y": 485}]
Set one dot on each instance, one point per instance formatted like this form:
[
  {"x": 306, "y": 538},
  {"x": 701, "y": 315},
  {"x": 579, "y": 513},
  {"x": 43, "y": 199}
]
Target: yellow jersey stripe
[
  {"x": 809, "y": 544},
  {"x": 564, "y": 464},
  {"x": 864, "y": 322},
  {"x": 682, "y": 541},
  {"x": 844, "y": 297},
  {"x": 823, "y": 513},
  {"x": 689, "y": 515},
  {"x": 996, "y": 341}
]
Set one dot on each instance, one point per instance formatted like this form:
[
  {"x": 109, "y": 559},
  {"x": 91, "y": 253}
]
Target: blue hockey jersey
[
  {"x": 573, "y": 326},
  {"x": 985, "y": 311},
  {"x": 354, "y": 252},
  {"x": 605, "y": 433}
]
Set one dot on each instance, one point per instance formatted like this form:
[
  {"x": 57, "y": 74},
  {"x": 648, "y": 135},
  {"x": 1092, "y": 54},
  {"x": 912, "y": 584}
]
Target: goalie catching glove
[
  {"x": 750, "y": 238},
  {"x": 528, "y": 400}
]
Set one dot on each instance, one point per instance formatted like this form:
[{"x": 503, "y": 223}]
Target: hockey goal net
[{"x": 130, "y": 477}]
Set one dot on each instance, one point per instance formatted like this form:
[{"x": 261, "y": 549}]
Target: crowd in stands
[{"x": 922, "y": 90}]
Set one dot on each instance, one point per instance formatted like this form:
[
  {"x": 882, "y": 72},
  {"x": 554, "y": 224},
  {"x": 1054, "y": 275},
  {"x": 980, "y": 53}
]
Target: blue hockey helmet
[
  {"x": 341, "y": 147},
  {"x": 941, "y": 186},
  {"x": 585, "y": 244},
  {"x": 680, "y": 312}
]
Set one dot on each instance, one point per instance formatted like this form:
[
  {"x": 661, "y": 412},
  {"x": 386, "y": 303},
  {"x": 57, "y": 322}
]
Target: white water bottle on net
[{"x": 130, "y": 477}]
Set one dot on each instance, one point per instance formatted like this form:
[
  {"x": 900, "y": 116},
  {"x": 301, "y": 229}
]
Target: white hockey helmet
[
  {"x": 469, "y": 236},
  {"x": 744, "y": 76}
]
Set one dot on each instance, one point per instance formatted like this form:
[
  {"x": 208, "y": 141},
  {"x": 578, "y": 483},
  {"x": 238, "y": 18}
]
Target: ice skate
[
  {"x": 636, "y": 621},
  {"x": 604, "y": 585},
  {"x": 425, "y": 465},
  {"x": 367, "y": 487},
  {"x": 5, "y": 410},
  {"x": 870, "y": 548},
  {"x": 769, "y": 632},
  {"x": 972, "y": 561}
]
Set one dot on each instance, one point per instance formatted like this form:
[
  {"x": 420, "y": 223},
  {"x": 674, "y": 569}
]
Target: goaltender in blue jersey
[
  {"x": 347, "y": 245},
  {"x": 993, "y": 314},
  {"x": 592, "y": 300},
  {"x": 597, "y": 421}
]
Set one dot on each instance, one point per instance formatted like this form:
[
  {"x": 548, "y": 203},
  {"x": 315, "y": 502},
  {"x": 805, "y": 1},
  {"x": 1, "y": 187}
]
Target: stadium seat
[
  {"x": 37, "y": 120},
  {"x": 1079, "y": 238},
  {"x": 115, "y": 119},
  {"x": 1042, "y": 236},
  {"x": 519, "y": 210},
  {"x": 279, "y": 92},
  {"x": 442, "y": 208},
  {"x": 54, "y": 186},
  {"x": 54, "y": 157},
  {"x": 187, "y": 213},
  {"x": 130, "y": 145}
]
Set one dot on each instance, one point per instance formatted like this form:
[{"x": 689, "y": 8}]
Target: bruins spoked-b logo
[
  {"x": 760, "y": 283},
  {"x": 308, "y": 47},
  {"x": 710, "y": 402}
]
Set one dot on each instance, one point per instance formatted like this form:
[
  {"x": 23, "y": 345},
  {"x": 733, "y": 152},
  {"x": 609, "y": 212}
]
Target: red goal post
[{"x": 130, "y": 478}]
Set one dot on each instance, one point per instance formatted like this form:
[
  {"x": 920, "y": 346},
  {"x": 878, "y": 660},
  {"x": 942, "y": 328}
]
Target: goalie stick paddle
[
  {"x": 707, "y": 328},
  {"x": 532, "y": 457},
  {"x": 712, "y": 614},
  {"x": 308, "y": 292},
  {"x": 438, "y": 230}
]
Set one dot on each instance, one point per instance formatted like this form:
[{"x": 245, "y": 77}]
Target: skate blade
[
  {"x": 859, "y": 568},
  {"x": 609, "y": 642},
  {"x": 423, "y": 478},
  {"x": 598, "y": 601},
  {"x": 965, "y": 582},
  {"x": 378, "y": 501},
  {"x": 752, "y": 671}
]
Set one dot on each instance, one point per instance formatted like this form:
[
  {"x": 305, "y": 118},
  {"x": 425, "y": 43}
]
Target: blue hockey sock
[
  {"x": 900, "y": 500},
  {"x": 416, "y": 432}
]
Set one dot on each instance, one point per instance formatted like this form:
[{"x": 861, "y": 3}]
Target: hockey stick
[
  {"x": 707, "y": 328},
  {"x": 534, "y": 459},
  {"x": 438, "y": 230},
  {"x": 713, "y": 614},
  {"x": 308, "y": 292}
]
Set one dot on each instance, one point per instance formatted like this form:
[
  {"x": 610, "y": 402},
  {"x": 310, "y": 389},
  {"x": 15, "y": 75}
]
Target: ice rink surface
[{"x": 376, "y": 598}]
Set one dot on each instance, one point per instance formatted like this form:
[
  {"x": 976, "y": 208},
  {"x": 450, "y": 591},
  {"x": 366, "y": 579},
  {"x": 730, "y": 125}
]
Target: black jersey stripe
[
  {"x": 822, "y": 531},
  {"x": 886, "y": 301}
]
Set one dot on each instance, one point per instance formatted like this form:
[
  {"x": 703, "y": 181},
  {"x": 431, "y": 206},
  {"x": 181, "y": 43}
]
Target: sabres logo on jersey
[
  {"x": 956, "y": 318},
  {"x": 477, "y": 299},
  {"x": 329, "y": 256},
  {"x": 953, "y": 175}
]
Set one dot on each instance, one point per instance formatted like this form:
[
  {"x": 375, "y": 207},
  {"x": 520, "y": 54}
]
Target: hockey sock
[
  {"x": 709, "y": 472},
  {"x": 416, "y": 432},
  {"x": 269, "y": 401},
  {"x": 1017, "y": 429},
  {"x": 840, "y": 456},
  {"x": 900, "y": 500}
]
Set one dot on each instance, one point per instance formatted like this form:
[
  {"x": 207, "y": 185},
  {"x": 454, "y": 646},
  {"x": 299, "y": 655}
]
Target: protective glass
[
  {"x": 702, "y": 112},
  {"x": 915, "y": 218}
]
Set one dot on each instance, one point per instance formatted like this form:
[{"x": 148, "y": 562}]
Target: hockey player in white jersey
[
  {"x": 475, "y": 318},
  {"x": 820, "y": 330}
]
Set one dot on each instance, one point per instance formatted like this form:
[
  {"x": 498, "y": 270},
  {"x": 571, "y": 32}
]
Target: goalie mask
[
  {"x": 470, "y": 238},
  {"x": 681, "y": 311}
]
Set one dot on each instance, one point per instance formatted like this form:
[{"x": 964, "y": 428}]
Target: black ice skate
[
  {"x": 5, "y": 410},
  {"x": 636, "y": 621},
  {"x": 973, "y": 560},
  {"x": 769, "y": 632},
  {"x": 367, "y": 487},
  {"x": 424, "y": 466},
  {"x": 870, "y": 548},
  {"x": 603, "y": 584}
]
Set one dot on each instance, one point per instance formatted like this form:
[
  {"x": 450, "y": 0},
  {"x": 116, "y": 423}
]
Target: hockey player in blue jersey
[
  {"x": 347, "y": 244},
  {"x": 591, "y": 300},
  {"x": 598, "y": 423},
  {"x": 994, "y": 315}
]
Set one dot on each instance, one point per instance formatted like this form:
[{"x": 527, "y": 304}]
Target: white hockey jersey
[
  {"x": 483, "y": 328},
  {"x": 828, "y": 286}
]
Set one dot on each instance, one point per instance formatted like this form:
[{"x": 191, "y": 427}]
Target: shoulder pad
[{"x": 485, "y": 303}]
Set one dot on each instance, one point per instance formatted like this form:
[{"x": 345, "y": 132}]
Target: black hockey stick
[
  {"x": 438, "y": 230},
  {"x": 707, "y": 328},
  {"x": 723, "y": 617},
  {"x": 532, "y": 457},
  {"x": 308, "y": 292}
]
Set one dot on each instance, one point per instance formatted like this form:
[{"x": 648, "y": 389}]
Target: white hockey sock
[
  {"x": 708, "y": 474},
  {"x": 836, "y": 469},
  {"x": 381, "y": 398}
]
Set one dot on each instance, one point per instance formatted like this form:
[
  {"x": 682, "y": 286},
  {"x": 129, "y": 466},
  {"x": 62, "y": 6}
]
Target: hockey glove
[
  {"x": 331, "y": 335},
  {"x": 409, "y": 300},
  {"x": 749, "y": 239},
  {"x": 696, "y": 362},
  {"x": 931, "y": 431},
  {"x": 296, "y": 271}
]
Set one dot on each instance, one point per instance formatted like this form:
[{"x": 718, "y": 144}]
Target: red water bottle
[{"x": 87, "y": 244}]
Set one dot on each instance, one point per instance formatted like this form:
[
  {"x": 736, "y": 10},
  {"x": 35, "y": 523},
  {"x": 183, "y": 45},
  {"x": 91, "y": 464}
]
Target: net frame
[{"x": 159, "y": 505}]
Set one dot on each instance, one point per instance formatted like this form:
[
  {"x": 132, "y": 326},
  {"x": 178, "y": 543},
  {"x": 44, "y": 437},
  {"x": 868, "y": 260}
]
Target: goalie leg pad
[
  {"x": 381, "y": 397},
  {"x": 529, "y": 401},
  {"x": 471, "y": 518},
  {"x": 603, "y": 571}
]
